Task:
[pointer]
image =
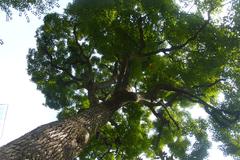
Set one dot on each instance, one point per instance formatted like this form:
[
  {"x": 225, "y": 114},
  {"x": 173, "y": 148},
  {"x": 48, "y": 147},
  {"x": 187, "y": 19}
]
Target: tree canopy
[
  {"x": 171, "y": 55},
  {"x": 38, "y": 7}
]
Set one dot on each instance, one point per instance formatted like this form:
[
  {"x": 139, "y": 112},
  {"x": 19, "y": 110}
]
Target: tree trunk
[{"x": 59, "y": 140}]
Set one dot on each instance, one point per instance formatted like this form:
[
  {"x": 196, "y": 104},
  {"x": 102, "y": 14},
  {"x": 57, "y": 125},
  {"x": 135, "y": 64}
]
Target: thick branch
[
  {"x": 171, "y": 117},
  {"x": 141, "y": 34},
  {"x": 157, "y": 115},
  {"x": 213, "y": 111},
  {"x": 112, "y": 80},
  {"x": 123, "y": 76},
  {"x": 88, "y": 73},
  {"x": 181, "y": 92},
  {"x": 181, "y": 46},
  {"x": 84, "y": 59},
  {"x": 63, "y": 140},
  {"x": 208, "y": 85},
  {"x": 91, "y": 93},
  {"x": 60, "y": 140}
]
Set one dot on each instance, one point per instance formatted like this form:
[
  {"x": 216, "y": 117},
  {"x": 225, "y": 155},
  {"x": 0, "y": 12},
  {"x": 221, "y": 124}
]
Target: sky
[
  {"x": 25, "y": 103},
  {"x": 25, "y": 110}
]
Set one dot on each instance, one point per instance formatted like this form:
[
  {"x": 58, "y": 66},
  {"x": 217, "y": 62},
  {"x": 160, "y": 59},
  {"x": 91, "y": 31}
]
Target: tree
[{"x": 109, "y": 65}]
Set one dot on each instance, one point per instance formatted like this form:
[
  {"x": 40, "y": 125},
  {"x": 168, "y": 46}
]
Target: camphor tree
[{"x": 110, "y": 65}]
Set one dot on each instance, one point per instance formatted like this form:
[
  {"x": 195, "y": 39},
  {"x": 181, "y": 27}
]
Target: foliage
[
  {"x": 37, "y": 7},
  {"x": 171, "y": 58}
]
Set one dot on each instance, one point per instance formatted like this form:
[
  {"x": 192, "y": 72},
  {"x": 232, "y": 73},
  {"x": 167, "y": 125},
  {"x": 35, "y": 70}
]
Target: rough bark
[
  {"x": 59, "y": 140},
  {"x": 63, "y": 140}
]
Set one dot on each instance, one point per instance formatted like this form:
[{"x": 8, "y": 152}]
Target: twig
[
  {"x": 104, "y": 154},
  {"x": 1, "y": 42}
]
